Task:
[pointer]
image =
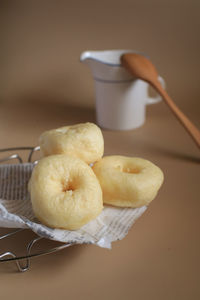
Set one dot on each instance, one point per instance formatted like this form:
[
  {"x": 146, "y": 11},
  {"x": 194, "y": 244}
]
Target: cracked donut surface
[{"x": 84, "y": 141}]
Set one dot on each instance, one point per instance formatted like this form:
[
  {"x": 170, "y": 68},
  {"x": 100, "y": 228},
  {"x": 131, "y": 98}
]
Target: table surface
[{"x": 159, "y": 258}]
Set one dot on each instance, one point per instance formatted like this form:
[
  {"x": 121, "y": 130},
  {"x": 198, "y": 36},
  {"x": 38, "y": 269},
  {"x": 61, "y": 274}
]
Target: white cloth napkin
[{"x": 16, "y": 212}]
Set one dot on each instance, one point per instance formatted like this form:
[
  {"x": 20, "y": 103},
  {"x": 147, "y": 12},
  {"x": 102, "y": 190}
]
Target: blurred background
[
  {"x": 42, "y": 82},
  {"x": 41, "y": 42}
]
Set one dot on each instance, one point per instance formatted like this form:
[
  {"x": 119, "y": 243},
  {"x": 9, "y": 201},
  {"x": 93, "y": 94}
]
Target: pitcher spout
[
  {"x": 85, "y": 56},
  {"x": 106, "y": 65}
]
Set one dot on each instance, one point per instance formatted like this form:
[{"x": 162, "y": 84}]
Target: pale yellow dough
[
  {"x": 65, "y": 192},
  {"x": 128, "y": 181},
  {"x": 84, "y": 141}
]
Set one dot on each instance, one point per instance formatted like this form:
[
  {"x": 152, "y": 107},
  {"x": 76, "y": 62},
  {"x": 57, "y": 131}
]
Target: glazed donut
[
  {"x": 84, "y": 141},
  {"x": 65, "y": 192},
  {"x": 128, "y": 181}
]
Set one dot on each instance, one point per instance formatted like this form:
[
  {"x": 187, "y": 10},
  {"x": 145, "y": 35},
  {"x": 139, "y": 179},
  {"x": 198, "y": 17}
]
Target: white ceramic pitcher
[{"x": 121, "y": 99}]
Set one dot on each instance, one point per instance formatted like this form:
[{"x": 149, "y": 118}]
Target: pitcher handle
[{"x": 158, "y": 98}]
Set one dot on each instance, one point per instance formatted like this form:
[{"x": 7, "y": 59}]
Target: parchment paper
[{"x": 16, "y": 212}]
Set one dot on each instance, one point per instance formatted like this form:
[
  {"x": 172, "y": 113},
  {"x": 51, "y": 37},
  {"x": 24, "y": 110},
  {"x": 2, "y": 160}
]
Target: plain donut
[
  {"x": 65, "y": 192},
  {"x": 128, "y": 181},
  {"x": 84, "y": 141}
]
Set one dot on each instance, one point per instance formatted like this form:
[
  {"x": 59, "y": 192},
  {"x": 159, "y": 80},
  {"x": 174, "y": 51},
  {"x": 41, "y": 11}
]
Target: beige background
[
  {"x": 42, "y": 42},
  {"x": 43, "y": 85}
]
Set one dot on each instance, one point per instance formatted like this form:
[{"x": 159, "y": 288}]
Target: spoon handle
[{"x": 189, "y": 126}]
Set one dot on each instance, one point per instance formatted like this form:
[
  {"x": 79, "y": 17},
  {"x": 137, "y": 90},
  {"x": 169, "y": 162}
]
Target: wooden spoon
[{"x": 140, "y": 67}]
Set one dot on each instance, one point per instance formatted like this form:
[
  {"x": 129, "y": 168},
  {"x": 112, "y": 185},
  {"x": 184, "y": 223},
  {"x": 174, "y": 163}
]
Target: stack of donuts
[{"x": 72, "y": 181}]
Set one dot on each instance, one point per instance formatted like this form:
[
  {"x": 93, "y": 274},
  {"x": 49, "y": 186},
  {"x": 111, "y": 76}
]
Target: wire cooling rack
[{"x": 22, "y": 261}]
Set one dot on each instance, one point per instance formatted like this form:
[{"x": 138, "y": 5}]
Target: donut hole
[
  {"x": 130, "y": 170},
  {"x": 68, "y": 186},
  {"x": 127, "y": 169}
]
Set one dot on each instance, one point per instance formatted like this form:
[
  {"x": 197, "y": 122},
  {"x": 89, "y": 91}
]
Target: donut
[
  {"x": 65, "y": 192},
  {"x": 128, "y": 181},
  {"x": 84, "y": 141}
]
